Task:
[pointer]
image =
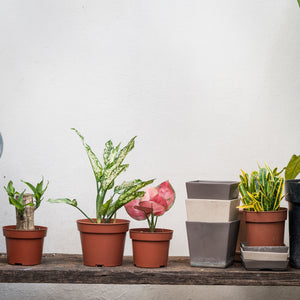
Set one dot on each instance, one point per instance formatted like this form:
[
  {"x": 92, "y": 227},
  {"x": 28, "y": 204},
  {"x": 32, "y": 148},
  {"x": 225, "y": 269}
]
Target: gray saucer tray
[
  {"x": 261, "y": 252},
  {"x": 261, "y": 265},
  {"x": 205, "y": 189},
  {"x": 277, "y": 249}
]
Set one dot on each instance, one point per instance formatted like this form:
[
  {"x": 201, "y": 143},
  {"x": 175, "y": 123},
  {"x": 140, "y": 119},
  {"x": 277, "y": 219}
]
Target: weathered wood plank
[{"x": 67, "y": 268}]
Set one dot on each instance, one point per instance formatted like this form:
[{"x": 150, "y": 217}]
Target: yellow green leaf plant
[{"x": 262, "y": 190}]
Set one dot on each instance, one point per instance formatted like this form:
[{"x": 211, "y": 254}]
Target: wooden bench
[{"x": 68, "y": 268}]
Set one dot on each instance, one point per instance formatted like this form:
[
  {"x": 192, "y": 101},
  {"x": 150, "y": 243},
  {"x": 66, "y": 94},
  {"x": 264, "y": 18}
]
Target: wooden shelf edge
[{"x": 68, "y": 268}]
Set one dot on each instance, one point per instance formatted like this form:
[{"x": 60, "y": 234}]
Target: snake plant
[
  {"x": 105, "y": 175},
  {"x": 262, "y": 190}
]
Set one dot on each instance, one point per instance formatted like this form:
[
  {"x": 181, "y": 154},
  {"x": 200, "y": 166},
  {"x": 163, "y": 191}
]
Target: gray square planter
[
  {"x": 212, "y": 244},
  {"x": 220, "y": 190}
]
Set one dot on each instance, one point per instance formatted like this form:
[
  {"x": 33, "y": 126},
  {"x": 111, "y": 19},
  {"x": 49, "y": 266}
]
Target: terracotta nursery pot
[
  {"x": 150, "y": 249},
  {"x": 24, "y": 247},
  {"x": 265, "y": 228},
  {"x": 102, "y": 244}
]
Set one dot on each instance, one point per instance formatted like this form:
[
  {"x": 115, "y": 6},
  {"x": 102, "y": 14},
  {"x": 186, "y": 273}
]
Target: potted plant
[
  {"x": 103, "y": 237},
  {"x": 24, "y": 241},
  {"x": 292, "y": 189},
  {"x": 262, "y": 193},
  {"x": 151, "y": 245}
]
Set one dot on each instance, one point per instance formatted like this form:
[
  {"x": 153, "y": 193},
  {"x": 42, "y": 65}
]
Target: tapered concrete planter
[
  {"x": 212, "y": 244},
  {"x": 210, "y": 210},
  {"x": 220, "y": 190}
]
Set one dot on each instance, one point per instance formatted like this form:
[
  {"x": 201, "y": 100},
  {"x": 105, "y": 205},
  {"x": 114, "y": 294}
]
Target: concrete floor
[{"x": 20, "y": 291}]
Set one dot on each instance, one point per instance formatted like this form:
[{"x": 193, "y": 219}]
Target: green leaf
[
  {"x": 119, "y": 203},
  {"x": 119, "y": 189},
  {"x": 30, "y": 186},
  {"x": 124, "y": 151},
  {"x": 113, "y": 170},
  {"x": 38, "y": 191},
  {"x": 133, "y": 189},
  {"x": 110, "y": 154},
  {"x": 95, "y": 163},
  {"x": 64, "y": 200},
  {"x": 293, "y": 168},
  {"x": 104, "y": 208},
  {"x": 129, "y": 194},
  {"x": 10, "y": 189},
  {"x": 111, "y": 175}
]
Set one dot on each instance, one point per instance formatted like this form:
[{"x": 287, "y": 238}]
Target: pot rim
[
  {"x": 38, "y": 228},
  {"x": 10, "y": 231},
  {"x": 281, "y": 210},
  {"x": 292, "y": 181},
  {"x": 266, "y": 216},
  {"x": 225, "y": 182},
  {"x": 86, "y": 226},
  {"x": 144, "y": 235},
  {"x": 88, "y": 222},
  {"x": 147, "y": 231}
]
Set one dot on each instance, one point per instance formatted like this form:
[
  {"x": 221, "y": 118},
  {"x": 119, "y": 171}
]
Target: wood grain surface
[{"x": 68, "y": 268}]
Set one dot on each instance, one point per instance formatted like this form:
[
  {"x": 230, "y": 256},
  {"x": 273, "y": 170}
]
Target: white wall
[{"x": 209, "y": 87}]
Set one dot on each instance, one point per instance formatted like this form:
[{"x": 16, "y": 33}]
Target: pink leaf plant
[{"x": 155, "y": 202}]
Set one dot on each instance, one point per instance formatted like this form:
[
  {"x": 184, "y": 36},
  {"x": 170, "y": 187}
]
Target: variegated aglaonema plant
[
  {"x": 105, "y": 175},
  {"x": 262, "y": 190}
]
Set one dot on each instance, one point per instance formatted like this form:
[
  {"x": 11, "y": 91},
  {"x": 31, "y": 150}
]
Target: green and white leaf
[
  {"x": 110, "y": 154},
  {"x": 95, "y": 163},
  {"x": 119, "y": 203},
  {"x": 64, "y": 200},
  {"x": 119, "y": 189},
  {"x": 110, "y": 175}
]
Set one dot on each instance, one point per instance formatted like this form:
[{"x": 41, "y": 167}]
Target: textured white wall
[{"x": 209, "y": 88}]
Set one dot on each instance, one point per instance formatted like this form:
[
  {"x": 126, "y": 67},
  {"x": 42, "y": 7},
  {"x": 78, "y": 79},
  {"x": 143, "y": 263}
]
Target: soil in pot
[
  {"x": 24, "y": 247},
  {"x": 150, "y": 249},
  {"x": 265, "y": 228},
  {"x": 102, "y": 244}
]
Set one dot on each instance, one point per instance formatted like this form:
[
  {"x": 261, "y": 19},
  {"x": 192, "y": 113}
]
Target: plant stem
[{"x": 85, "y": 214}]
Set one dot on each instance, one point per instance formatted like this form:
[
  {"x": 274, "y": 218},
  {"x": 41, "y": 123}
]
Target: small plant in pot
[
  {"x": 24, "y": 241},
  {"x": 262, "y": 193},
  {"x": 106, "y": 229},
  {"x": 151, "y": 245}
]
